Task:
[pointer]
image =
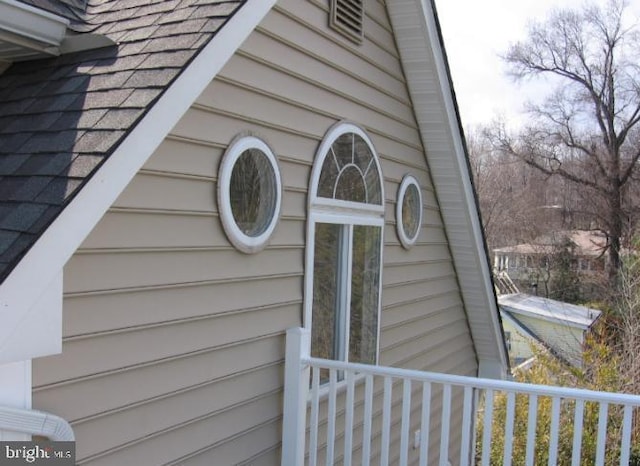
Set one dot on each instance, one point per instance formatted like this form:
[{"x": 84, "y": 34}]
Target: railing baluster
[
  {"x": 508, "y": 429},
  {"x": 577, "y": 433},
  {"x": 406, "y": 421},
  {"x": 532, "y": 420},
  {"x": 348, "y": 419},
  {"x": 365, "y": 376},
  {"x": 386, "y": 422},
  {"x": 625, "y": 441},
  {"x": 487, "y": 427},
  {"x": 425, "y": 423},
  {"x": 554, "y": 431},
  {"x": 313, "y": 422},
  {"x": 368, "y": 414},
  {"x": 602, "y": 433},
  {"x": 445, "y": 425},
  {"x": 467, "y": 426},
  {"x": 331, "y": 421}
]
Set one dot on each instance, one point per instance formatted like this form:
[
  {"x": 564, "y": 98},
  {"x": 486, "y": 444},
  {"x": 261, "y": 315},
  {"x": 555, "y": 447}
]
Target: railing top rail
[{"x": 460, "y": 380}]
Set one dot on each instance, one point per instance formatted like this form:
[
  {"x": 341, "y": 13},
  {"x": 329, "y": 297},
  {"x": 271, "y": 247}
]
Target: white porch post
[
  {"x": 15, "y": 392},
  {"x": 296, "y": 389}
]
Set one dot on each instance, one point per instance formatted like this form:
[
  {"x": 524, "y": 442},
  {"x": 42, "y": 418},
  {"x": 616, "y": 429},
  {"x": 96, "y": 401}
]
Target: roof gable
[
  {"x": 89, "y": 126},
  {"x": 120, "y": 158},
  {"x": 63, "y": 117}
]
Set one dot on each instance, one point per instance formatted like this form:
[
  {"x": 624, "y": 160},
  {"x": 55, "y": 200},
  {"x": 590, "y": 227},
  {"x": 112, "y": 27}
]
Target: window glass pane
[
  {"x": 343, "y": 149},
  {"x": 374, "y": 190},
  {"x": 326, "y": 291},
  {"x": 365, "y": 281},
  {"x": 328, "y": 176},
  {"x": 350, "y": 185},
  {"x": 253, "y": 192},
  {"x": 411, "y": 211},
  {"x": 362, "y": 156}
]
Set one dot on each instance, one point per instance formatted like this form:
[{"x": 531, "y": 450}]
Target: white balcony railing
[{"x": 366, "y": 415}]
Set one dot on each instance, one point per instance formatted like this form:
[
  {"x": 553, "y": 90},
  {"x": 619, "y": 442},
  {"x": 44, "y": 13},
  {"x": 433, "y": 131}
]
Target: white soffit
[
  {"x": 427, "y": 75},
  {"x": 28, "y": 32},
  {"x": 45, "y": 260}
]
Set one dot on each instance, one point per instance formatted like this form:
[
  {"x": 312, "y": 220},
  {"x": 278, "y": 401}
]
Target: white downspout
[{"x": 34, "y": 422}]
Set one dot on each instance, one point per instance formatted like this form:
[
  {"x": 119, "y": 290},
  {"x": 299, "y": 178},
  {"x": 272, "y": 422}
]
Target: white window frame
[
  {"x": 349, "y": 214},
  {"x": 243, "y": 242},
  {"x": 407, "y": 181}
]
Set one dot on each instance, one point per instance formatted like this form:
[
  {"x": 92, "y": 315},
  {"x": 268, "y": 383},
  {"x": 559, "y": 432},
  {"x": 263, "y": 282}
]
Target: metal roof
[{"x": 549, "y": 310}]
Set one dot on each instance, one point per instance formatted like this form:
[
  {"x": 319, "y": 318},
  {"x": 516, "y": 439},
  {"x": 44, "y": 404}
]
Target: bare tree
[{"x": 586, "y": 130}]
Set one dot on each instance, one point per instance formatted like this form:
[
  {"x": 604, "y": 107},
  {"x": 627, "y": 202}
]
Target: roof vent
[{"x": 347, "y": 17}]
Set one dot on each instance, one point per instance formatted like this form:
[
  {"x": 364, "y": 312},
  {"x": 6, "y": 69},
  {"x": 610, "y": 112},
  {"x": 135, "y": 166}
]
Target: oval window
[
  {"x": 249, "y": 193},
  {"x": 409, "y": 211}
]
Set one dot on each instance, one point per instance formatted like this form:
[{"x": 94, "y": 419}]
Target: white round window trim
[
  {"x": 243, "y": 242},
  {"x": 405, "y": 239}
]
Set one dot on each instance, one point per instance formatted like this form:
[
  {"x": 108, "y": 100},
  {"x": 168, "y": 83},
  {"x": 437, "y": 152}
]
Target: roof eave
[
  {"x": 41, "y": 268},
  {"x": 28, "y": 32},
  {"x": 421, "y": 49}
]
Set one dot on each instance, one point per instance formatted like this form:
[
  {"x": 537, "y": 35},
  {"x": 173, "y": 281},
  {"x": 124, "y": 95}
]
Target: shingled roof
[{"x": 61, "y": 118}]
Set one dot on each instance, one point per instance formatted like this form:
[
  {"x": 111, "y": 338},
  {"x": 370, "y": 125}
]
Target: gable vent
[{"x": 347, "y": 18}]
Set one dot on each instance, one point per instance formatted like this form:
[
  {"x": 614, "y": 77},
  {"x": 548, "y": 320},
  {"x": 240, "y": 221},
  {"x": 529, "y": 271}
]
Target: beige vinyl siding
[{"x": 173, "y": 340}]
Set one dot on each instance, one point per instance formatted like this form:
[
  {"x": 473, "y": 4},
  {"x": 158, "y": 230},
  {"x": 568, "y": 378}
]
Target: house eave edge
[
  {"x": 32, "y": 28},
  {"x": 418, "y": 39},
  {"x": 41, "y": 268}
]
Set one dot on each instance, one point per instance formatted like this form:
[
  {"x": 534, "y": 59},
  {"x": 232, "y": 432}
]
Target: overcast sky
[{"x": 475, "y": 32}]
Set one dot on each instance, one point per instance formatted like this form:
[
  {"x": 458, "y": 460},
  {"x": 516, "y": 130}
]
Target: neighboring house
[
  {"x": 533, "y": 263},
  {"x": 184, "y": 180},
  {"x": 521, "y": 260},
  {"x": 558, "y": 327}
]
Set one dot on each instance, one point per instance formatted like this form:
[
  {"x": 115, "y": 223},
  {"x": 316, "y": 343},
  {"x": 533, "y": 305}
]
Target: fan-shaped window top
[{"x": 350, "y": 170}]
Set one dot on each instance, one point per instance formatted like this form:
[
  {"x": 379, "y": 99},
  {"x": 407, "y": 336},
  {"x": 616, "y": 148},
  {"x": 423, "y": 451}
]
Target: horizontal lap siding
[{"x": 173, "y": 340}]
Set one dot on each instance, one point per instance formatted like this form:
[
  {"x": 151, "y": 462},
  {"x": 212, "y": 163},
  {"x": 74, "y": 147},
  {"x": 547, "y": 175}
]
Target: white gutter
[
  {"x": 31, "y": 27},
  {"x": 33, "y": 422}
]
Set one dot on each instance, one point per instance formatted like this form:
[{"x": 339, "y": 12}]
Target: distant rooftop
[{"x": 588, "y": 243}]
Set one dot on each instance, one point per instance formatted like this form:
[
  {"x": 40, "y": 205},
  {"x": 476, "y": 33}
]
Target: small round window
[
  {"x": 249, "y": 193},
  {"x": 409, "y": 211}
]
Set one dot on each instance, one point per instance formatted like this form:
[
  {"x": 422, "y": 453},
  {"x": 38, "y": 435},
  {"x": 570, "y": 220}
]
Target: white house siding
[{"x": 173, "y": 340}]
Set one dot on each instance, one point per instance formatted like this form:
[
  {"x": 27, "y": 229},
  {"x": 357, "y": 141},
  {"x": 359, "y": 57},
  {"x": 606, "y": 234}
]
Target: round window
[
  {"x": 249, "y": 193},
  {"x": 409, "y": 211}
]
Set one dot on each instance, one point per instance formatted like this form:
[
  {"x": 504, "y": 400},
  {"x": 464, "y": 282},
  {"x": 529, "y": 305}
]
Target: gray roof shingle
[{"x": 62, "y": 117}]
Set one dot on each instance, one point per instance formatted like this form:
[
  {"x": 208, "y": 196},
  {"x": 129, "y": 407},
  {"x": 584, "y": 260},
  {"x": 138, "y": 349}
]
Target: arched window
[{"x": 344, "y": 252}]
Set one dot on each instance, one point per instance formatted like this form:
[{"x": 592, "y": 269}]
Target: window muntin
[
  {"x": 249, "y": 193},
  {"x": 349, "y": 171},
  {"x": 344, "y": 256},
  {"x": 408, "y": 211}
]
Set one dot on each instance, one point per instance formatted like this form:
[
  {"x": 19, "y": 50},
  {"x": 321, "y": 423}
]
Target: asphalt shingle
[{"x": 61, "y": 118}]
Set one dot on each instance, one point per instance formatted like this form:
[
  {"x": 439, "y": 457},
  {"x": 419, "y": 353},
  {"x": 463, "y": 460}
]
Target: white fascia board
[
  {"x": 32, "y": 23},
  {"x": 45, "y": 260},
  {"x": 420, "y": 49},
  {"x": 554, "y": 319}
]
